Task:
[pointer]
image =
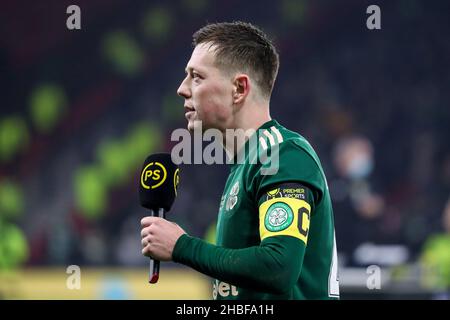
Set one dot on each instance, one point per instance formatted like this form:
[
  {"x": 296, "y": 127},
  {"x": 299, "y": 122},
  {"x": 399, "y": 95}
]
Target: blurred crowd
[{"x": 83, "y": 109}]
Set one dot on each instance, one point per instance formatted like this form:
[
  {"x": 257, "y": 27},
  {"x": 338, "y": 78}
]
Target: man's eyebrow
[
  {"x": 188, "y": 69},
  {"x": 192, "y": 70}
]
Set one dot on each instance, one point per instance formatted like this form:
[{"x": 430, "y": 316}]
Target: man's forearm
[{"x": 270, "y": 267}]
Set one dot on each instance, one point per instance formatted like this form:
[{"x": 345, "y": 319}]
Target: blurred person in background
[{"x": 360, "y": 206}]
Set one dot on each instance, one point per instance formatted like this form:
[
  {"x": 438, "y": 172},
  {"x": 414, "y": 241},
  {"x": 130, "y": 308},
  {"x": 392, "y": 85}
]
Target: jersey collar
[{"x": 272, "y": 122}]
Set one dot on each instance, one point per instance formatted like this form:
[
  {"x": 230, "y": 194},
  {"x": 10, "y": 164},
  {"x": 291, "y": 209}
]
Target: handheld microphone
[{"x": 158, "y": 185}]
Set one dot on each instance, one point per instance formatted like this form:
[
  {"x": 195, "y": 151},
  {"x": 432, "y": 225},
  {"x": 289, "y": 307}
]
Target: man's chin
[{"x": 195, "y": 125}]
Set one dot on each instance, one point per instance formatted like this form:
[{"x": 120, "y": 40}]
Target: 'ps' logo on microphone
[
  {"x": 153, "y": 175},
  {"x": 176, "y": 180}
]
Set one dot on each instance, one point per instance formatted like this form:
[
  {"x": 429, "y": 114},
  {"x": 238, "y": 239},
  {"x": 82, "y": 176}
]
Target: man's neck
[{"x": 249, "y": 119}]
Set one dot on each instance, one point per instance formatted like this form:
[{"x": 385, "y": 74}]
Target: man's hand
[{"x": 159, "y": 237}]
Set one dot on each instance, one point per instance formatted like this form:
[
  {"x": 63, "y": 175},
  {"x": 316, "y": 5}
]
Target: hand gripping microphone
[{"x": 157, "y": 190}]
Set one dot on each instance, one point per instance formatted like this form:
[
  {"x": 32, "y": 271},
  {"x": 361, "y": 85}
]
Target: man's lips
[
  {"x": 189, "y": 111},
  {"x": 188, "y": 108}
]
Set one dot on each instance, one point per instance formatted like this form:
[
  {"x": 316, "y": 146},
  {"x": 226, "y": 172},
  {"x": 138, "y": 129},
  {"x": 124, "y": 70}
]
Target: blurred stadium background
[{"x": 80, "y": 110}]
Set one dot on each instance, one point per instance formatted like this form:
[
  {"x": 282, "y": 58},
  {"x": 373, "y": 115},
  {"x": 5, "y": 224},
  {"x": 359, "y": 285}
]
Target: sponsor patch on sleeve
[{"x": 294, "y": 191}]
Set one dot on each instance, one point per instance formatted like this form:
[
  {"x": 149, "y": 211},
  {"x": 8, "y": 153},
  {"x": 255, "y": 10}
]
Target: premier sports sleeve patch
[{"x": 285, "y": 211}]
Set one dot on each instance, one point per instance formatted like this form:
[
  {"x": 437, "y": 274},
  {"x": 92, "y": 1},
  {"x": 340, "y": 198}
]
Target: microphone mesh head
[{"x": 158, "y": 182}]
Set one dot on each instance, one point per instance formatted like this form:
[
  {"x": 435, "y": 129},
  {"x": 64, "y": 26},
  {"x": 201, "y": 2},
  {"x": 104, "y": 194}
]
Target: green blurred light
[
  {"x": 112, "y": 156},
  {"x": 436, "y": 261},
  {"x": 293, "y": 11},
  {"x": 195, "y": 6},
  {"x": 11, "y": 200},
  {"x": 143, "y": 139},
  {"x": 90, "y": 192},
  {"x": 123, "y": 52},
  {"x": 13, "y": 247},
  {"x": 47, "y": 105},
  {"x": 157, "y": 24},
  {"x": 13, "y": 137},
  {"x": 117, "y": 162}
]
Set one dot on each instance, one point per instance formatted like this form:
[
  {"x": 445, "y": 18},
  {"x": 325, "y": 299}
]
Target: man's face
[{"x": 207, "y": 91}]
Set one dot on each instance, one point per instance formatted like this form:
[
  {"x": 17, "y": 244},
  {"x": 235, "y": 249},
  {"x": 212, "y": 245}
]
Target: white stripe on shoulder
[
  {"x": 268, "y": 135},
  {"x": 263, "y": 143},
  {"x": 277, "y": 133}
]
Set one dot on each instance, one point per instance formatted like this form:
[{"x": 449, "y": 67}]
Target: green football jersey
[
  {"x": 275, "y": 234},
  {"x": 289, "y": 205}
]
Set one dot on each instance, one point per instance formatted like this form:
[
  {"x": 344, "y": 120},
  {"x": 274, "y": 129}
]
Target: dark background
[{"x": 81, "y": 109}]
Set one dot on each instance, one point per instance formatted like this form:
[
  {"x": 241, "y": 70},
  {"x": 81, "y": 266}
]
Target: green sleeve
[{"x": 270, "y": 267}]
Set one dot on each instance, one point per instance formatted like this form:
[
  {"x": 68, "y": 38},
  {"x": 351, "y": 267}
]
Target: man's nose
[{"x": 183, "y": 90}]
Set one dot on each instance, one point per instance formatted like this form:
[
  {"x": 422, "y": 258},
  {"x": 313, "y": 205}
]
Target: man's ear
[{"x": 241, "y": 88}]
